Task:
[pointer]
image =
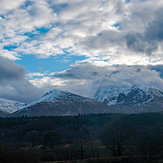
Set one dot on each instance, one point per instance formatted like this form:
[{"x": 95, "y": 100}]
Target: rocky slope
[{"x": 131, "y": 99}]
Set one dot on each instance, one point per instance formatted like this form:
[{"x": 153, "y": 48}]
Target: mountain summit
[
  {"x": 58, "y": 102},
  {"x": 131, "y": 99}
]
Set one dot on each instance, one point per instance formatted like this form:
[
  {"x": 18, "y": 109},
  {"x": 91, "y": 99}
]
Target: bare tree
[{"x": 116, "y": 136}]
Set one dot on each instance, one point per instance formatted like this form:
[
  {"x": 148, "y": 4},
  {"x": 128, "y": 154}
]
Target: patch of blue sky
[
  {"x": 52, "y": 64},
  {"x": 10, "y": 48},
  {"x": 37, "y": 32},
  {"x": 117, "y": 25},
  {"x": 30, "y": 34},
  {"x": 77, "y": 58},
  {"x": 27, "y": 3},
  {"x": 100, "y": 34},
  {"x": 155, "y": 61},
  {"x": 43, "y": 30},
  {"x": 127, "y": 1}
]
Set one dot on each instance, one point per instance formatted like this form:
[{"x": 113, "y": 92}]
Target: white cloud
[
  {"x": 84, "y": 28},
  {"x": 9, "y": 54},
  {"x": 34, "y": 74},
  {"x": 8, "y": 5},
  {"x": 85, "y": 79}
]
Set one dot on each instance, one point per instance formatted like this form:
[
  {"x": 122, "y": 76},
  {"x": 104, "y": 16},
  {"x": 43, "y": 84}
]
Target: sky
[{"x": 78, "y": 45}]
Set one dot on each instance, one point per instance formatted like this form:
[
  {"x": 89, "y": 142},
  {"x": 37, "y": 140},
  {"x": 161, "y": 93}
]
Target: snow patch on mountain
[
  {"x": 119, "y": 94},
  {"x": 57, "y": 95},
  {"x": 10, "y": 106},
  {"x": 109, "y": 94},
  {"x": 152, "y": 90}
]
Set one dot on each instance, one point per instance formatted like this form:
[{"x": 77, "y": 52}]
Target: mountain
[
  {"x": 63, "y": 103},
  {"x": 131, "y": 99},
  {"x": 9, "y": 106}
]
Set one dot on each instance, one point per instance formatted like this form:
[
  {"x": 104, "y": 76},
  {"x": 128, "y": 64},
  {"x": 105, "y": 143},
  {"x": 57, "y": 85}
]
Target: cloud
[
  {"x": 8, "y": 5},
  {"x": 122, "y": 44},
  {"x": 9, "y": 71},
  {"x": 89, "y": 77},
  {"x": 80, "y": 79},
  {"x": 22, "y": 91},
  {"x": 148, "y": 41},
  {"x": 49, "y": 28},
  {"x": 21, "y": 21},
  {"x": 9, "y": 54},
  {"x": 86, "y": 78},
  {"x": 34, "y": 74},
  {"x": 13, "y": 84}
]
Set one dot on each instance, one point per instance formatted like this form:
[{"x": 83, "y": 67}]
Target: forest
[{"x": 114, "y": 138}]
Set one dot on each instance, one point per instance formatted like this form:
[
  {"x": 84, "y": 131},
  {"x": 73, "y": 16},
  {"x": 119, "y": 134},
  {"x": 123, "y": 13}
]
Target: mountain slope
[
  {"x": 108, "y": 94},
  {"x": 131, "y": 99},
  {"x": 63, "y": 103},
  {"x": 9, "y": 106}
]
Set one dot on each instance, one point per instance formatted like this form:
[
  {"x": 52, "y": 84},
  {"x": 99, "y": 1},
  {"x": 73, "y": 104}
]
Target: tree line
[{"x": 103, "y": 137}]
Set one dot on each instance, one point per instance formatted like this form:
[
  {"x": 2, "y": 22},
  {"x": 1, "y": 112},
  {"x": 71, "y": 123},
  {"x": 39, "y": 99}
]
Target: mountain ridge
[
  {"x": 58, "y": 102},
  {"x": 107, "y": 99},
  {"x": 131, "y": 99}
]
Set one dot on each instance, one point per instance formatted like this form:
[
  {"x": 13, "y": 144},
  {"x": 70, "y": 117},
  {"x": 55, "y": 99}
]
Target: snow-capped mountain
[
  {"x": 56, "y": 95},
  {"x": 107, "y": 99},
  {"x": 108, "y": 94},
  {"x": 63, "y": 103},
  {"x": 131, "y": 99},
  {"x": 10, "y": 106}
]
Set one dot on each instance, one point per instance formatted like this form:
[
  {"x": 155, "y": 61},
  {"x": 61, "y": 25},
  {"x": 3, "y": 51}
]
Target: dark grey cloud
[
  {"x": 22, "y": 91},
  {"x": 9, "y": 71},
  {"x": 106, "y": 39},
  {"x": 141, "y": 41},
  {"x": 14, "y": 85},
  {"x": 154, "y": 29},
  {"x": 140, "y": 30},
  {"x": 148, "y": 41},
  {"x": 86, "y": 71}
]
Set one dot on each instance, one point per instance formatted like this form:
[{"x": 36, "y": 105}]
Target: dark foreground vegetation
[{"x": 114, "y": 138}]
